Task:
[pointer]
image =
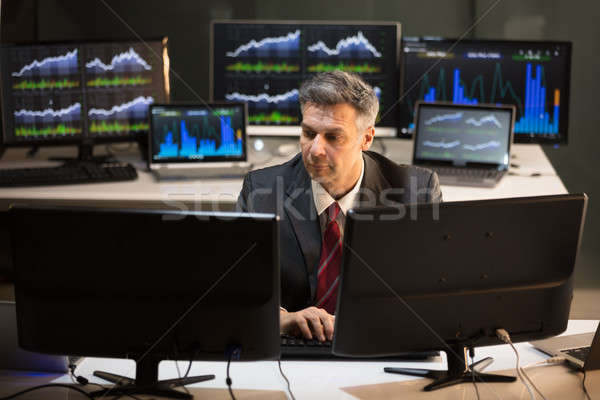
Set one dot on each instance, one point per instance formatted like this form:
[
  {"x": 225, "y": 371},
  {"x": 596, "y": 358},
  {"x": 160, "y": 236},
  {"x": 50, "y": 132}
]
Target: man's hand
[{"x": 311, "y": 322}]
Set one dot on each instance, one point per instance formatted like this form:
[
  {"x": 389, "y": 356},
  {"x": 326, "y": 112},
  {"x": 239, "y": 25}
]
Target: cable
[
  {"x": 289, "y": 389},
  {"x": 505, "y": 337},
  {"x": 232, "y": 351},
  {"x": 587, "y": 395},
  {"x": 532, "y": 384},
  {"x": 83, "y": 381},
  {"x": 228, "y": 380},
  {"x": 22, "y": 392},
  {"x": 551, "y": 360},
  {"x": 473, "y": 372},
  {"x": 179, "y": 374}
]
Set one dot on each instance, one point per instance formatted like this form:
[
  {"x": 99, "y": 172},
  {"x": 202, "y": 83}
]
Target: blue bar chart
[
  {"x": 536, "y": 118},
  {"x": 213, "y": 137}
]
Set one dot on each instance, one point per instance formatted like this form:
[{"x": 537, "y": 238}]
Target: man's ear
[{"x": 367, "y": 139}]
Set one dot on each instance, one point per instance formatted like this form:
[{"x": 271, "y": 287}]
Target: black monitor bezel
[
  {"x": 518, "y": 138},
  {"x": 86, "y": 139},
  {"x": 242, "y": 158}
]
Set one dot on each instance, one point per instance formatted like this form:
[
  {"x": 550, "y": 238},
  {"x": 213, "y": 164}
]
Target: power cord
[
  {"x": 232, "y": 352},
  {"x": 83, "y": 381},
  {"x": 587, "y": 395},
  {"x": 551, "y": 360},
  {"x": 179, "y": 374},
  {"x": 189, "y": 367},
  {"x": 289, "y": 389},
  {"x": 473, "y": 372},
  {"x": 49, "y": 385},
  {"x": 505, "y": 337}
]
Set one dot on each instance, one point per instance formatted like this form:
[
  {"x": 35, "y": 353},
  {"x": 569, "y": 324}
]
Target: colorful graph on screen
[
  {"x": 464, "y": 135},
  {"x": 89, "y": 89},
  {"x": 197, "y": 133},
  {"x": 532, "y": 76},
  {"x": 356, "y": 46},
  {"x": 265, "y": 63},
  {"x": 56, "y": 116}
]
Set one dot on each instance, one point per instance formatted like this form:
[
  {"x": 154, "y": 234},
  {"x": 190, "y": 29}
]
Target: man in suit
[{"x": 313, "y": 191}]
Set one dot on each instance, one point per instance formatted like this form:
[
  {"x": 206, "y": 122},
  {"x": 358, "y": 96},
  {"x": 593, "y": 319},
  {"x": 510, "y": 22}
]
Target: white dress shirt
[{"x": 323, "y": 200}]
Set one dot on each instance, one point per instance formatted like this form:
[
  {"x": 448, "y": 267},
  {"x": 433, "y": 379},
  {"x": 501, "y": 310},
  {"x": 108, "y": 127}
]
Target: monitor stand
[
  {"x": 85, "y": 155},
  {"x": 459, "y": 371},
  {"x": 146, "y": 382}
]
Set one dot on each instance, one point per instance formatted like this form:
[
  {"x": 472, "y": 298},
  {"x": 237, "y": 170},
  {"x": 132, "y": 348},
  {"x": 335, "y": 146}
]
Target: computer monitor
[
  {"x": 447, "y": 276},
  {"x": 81, "y": 93},
  {"x": 146, "y": 285},
  {"x": 533, "y": 76},
  {"x": 192, "y": 133},
  {"x": 264, "y": 63}
]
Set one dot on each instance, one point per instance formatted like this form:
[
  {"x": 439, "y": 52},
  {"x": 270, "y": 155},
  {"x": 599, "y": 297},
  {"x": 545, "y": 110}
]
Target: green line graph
[
  {"x": 46, "y": 84},
  {"x": 60, "y": 129},
  {"x": 357, "y": 68},
  {"x": 275, "y": 118},
  {"x": 117, "y": 127},
  {"x": 262, "y": 67},
  {"x": 119, "y": 81}
]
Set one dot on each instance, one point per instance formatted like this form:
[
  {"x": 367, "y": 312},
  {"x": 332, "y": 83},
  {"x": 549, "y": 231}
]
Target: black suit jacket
[{"x": 286, "y": 190}]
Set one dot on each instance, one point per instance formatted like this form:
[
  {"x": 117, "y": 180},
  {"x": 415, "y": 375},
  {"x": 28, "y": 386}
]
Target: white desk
[
  {"x": 220, "y": 194},
  {"x": 337, "y": 379}
]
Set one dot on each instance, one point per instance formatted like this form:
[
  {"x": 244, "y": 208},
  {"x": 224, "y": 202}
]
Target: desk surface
[
  {"x": 358, "y": 379},
  {"x": 529, "y": 158}
]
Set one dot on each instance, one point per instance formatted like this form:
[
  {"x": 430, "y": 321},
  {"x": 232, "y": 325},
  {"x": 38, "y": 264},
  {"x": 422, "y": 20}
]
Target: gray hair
[{"x": 337, "y": 87}]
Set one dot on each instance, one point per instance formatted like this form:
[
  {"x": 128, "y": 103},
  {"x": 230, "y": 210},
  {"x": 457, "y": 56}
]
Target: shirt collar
[{"x": 323, "y": 199}]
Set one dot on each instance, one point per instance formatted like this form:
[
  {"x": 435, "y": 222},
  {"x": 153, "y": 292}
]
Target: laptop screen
[
  {"x": 197, "y": 133},
  {"x": 463, "y": 135}
]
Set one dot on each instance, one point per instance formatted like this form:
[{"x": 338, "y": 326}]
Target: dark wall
[{"x": 187, "y": 25}]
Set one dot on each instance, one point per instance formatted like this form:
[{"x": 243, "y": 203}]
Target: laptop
[
  {"x": 581, "y": 350},
  {"x": 467, "y": 145},
  {"x": 13, "y": 357},
  {"x": 194, "y": 141}
]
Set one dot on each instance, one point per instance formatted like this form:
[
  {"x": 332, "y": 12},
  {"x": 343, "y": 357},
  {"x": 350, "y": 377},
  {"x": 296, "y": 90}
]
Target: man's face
[{"x": 332, "y": 146}]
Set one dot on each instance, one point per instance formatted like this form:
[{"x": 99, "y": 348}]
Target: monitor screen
[
  {"x": 65, "y": 93},
  {"x": 532, "y": 76},
  {"x": 264, "y": 63},
  {"x": 192, "y": 133},
  {"x": 463, "y": 134}
]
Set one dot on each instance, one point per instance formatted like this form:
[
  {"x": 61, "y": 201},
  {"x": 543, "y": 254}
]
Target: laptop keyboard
[
  {"x": 471, "y": 173},
  {"x": 580, "y": 353}
]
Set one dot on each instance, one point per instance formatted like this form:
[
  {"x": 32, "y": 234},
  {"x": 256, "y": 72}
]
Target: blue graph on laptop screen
[
  {"x": 463, "y": 135},
  {"x": 197, "y": 133}
]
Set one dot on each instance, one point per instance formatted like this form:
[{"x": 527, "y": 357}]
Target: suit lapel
[
  {"x": 373, "y": 184},
  {"x": 300, "y": 208}
]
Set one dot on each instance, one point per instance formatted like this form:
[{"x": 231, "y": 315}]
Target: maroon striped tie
[{"x": 329, "y": 264}]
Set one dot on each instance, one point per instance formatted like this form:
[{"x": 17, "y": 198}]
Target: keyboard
[
  {"x": 70, "y": 173},
  {"x": 299, "y": 348},
  {"x": 468, "y": 176},
  {"x": 580, "y": 353}
]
